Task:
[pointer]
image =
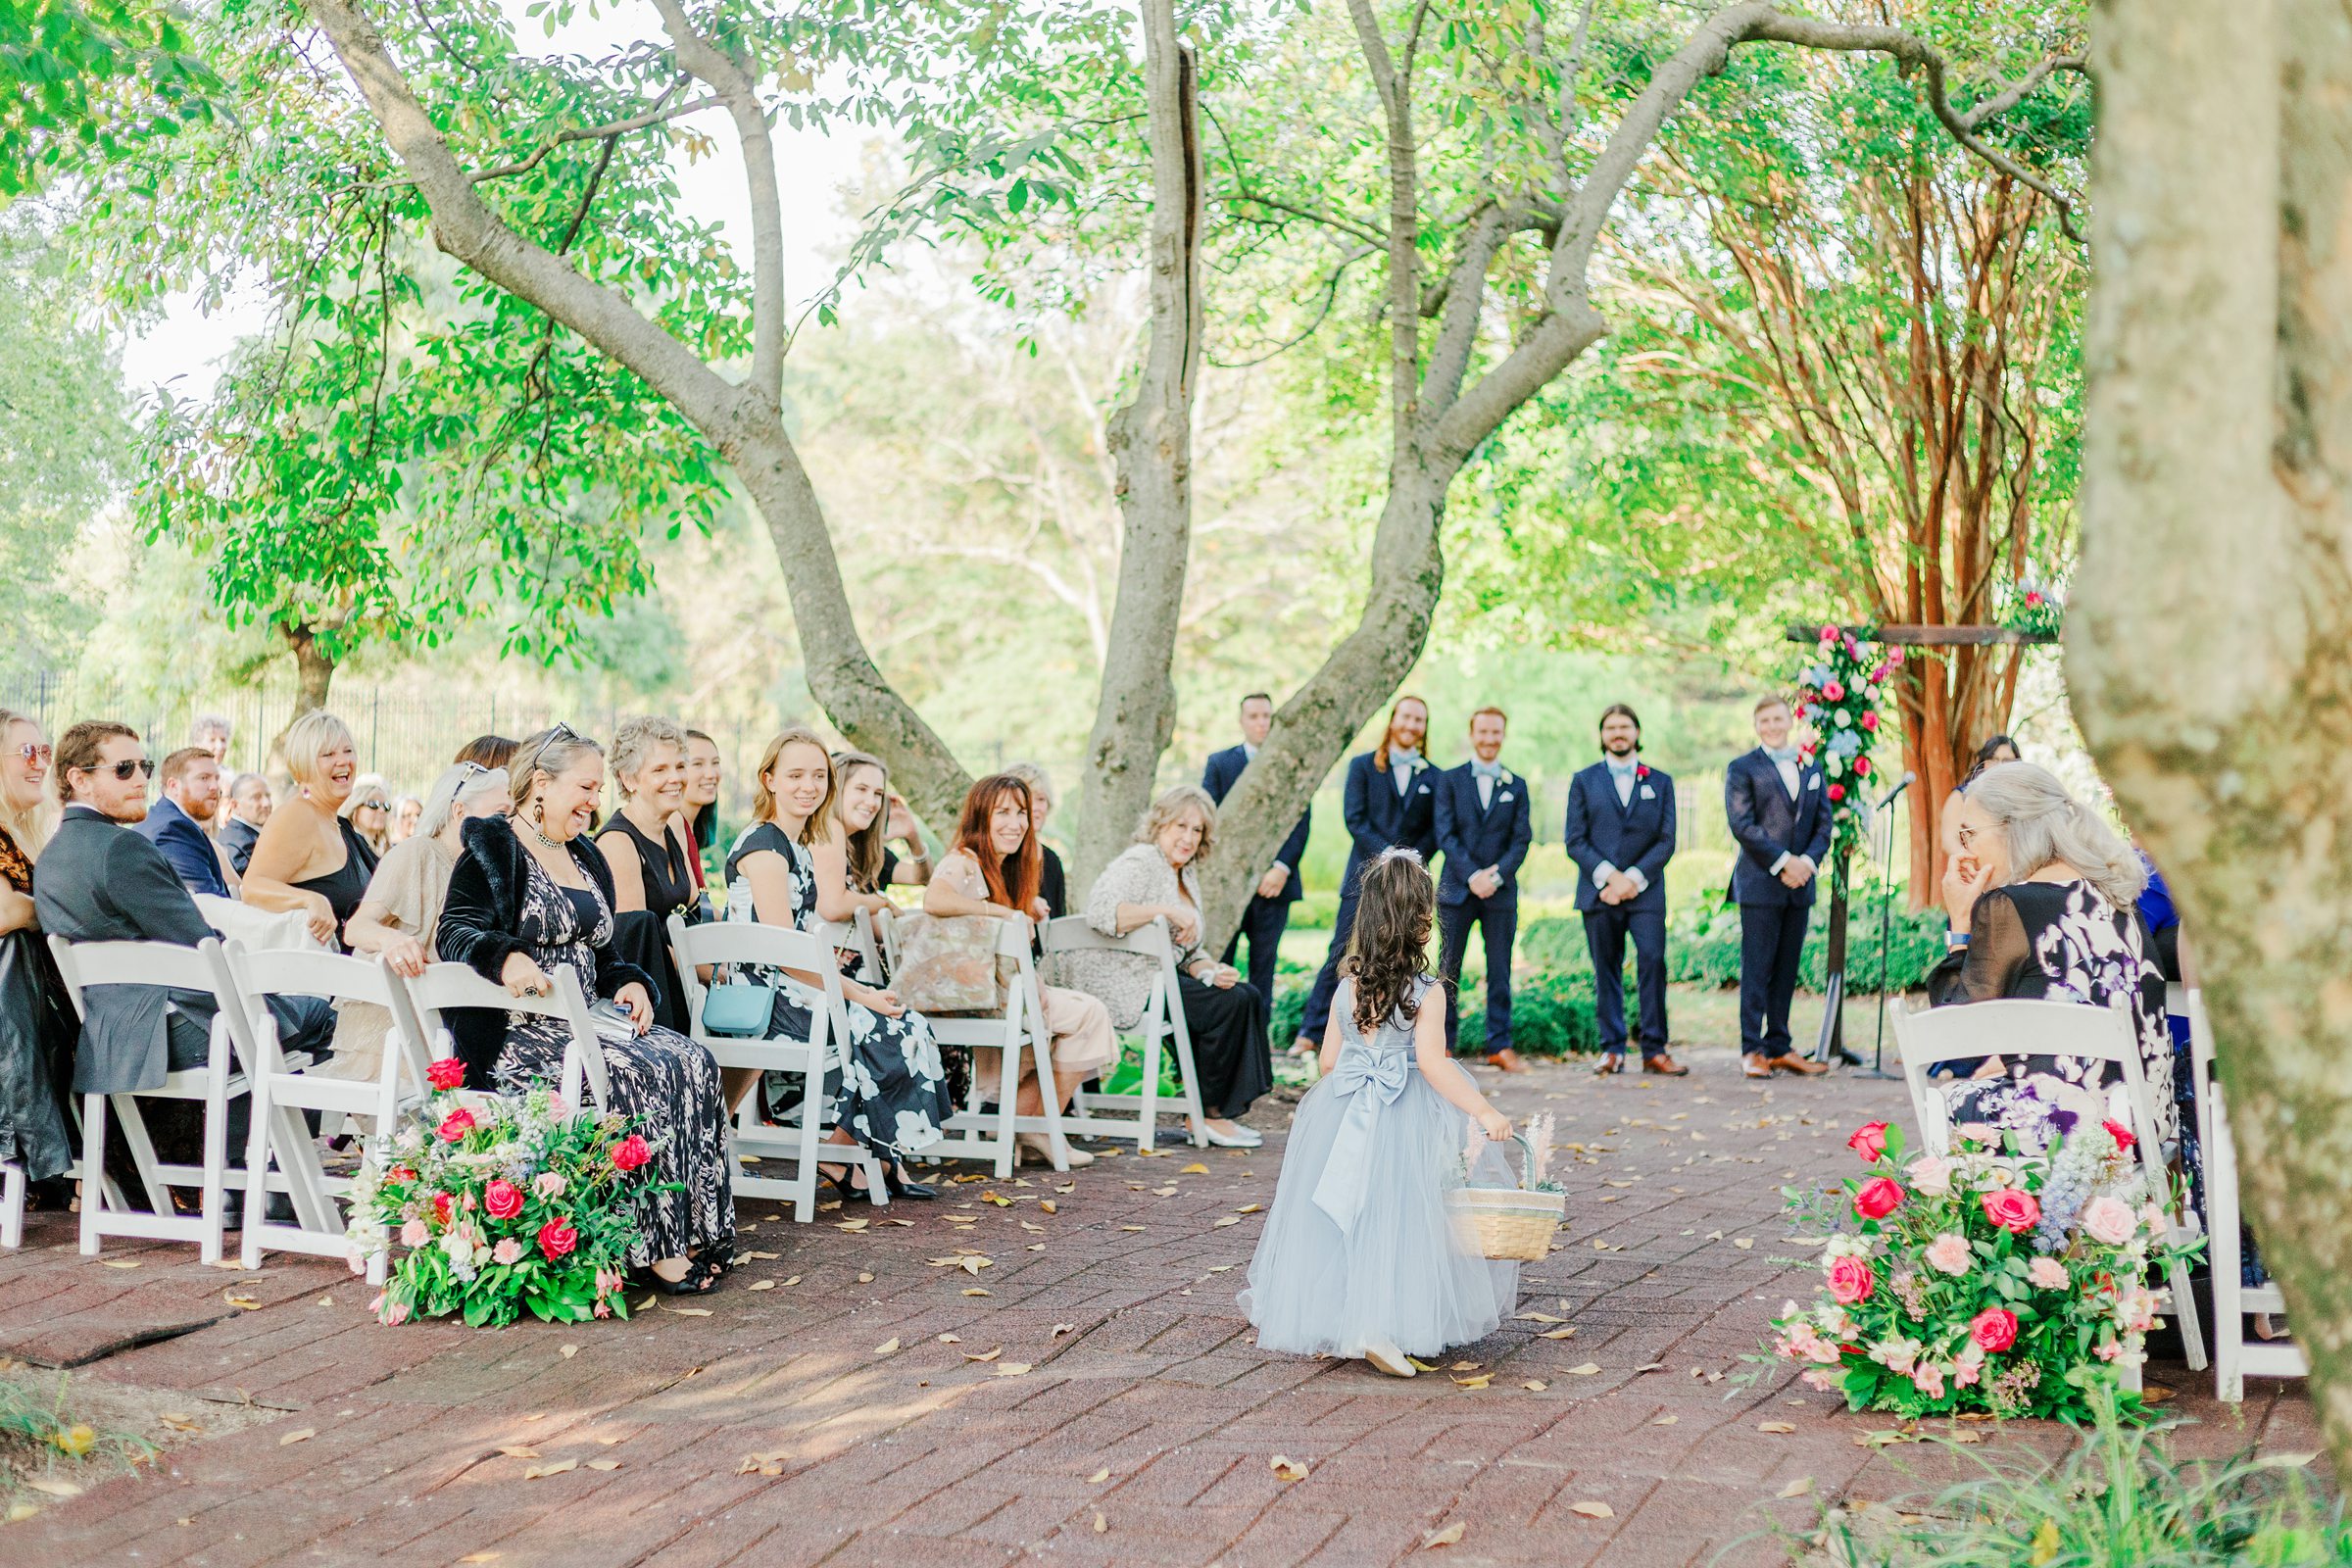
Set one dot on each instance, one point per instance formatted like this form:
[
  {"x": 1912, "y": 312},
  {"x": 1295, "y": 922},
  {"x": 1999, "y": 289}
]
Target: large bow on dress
[{"x": 1367, "y": 1080}]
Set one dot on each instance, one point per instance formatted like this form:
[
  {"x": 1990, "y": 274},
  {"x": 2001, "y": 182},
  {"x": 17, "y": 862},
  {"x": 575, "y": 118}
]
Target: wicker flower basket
[{"x": 1506, "y": 1224}]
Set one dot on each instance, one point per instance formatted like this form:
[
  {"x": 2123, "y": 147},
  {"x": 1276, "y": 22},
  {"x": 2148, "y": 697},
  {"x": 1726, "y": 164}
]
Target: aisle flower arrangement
[
  {"x": 2008, "y": 1278},
  {"x": 1842, "y": 686},
  {"x": 503, "y": 1206}
]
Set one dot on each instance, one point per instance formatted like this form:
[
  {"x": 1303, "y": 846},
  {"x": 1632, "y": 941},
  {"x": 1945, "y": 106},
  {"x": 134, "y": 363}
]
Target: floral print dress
[
  {"x": 893, "y": 1097},
  {"x": 668, "y": 1083}
]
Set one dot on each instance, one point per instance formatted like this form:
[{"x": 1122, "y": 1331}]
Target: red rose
[
  {"x": 1852, "y": 1280},
  {"x": 2012, "y": 1209},
  {"x": 455, "y": 1125},
  {"x": 1870, "y": 721},
  {"x": 630, "y": 1152},
  {"x": 502, "y": 1198},
  {"x": 444, "y": 1208},
  {"x": 1994, "y": 1329},
  {"x": 557, "y": 1238},
  {"x": 446, "y": 1073},
  {"x": 2032, "y": 600},
  {"x": 1837, "y": 792},
  {"x": 1878, "y": 1197},
  {"x": 1641, "y": 771},
  {"x": 1834, "y": 691},
  {"x": 2120, "y": 1133},
  {"x": 1869, "y": 1140},
  {"x": 1861, "y": 767},
  {"x": 1828, "y": 634},
  {"x": 399, "y": 1173}
]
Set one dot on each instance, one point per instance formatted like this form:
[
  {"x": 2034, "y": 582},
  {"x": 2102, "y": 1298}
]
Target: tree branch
[{"x": 563, "y": 139}]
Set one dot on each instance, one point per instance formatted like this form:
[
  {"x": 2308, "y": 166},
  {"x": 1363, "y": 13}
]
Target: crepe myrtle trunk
[{"x": 2209, "y": 640}]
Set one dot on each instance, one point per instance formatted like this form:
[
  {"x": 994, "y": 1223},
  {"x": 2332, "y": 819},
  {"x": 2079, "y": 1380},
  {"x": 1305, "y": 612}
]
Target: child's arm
[
  {"x": 1328, "y": 1059},
  {"x": 1446, "y": 1075}
]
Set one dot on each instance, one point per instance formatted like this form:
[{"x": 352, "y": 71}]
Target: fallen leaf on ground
[
  {"x": 1535, "y": 1384},
  {"x": 1163, "y": 1191},
  {"x": 1099, "y": 1477},
  {"x": 753, "y": 1256},
  {"x": 760, "y": 1285},
  {"x": 795, "y": 1280},
  {"x": 1776, "y": 1426},
  {"x": 560, "y": 1467},
  {"x": 1538, "y": 1318},
  {"x": 298, "y": 1435},
  {"x": 178, "y": 1423},
  {"x": 1801, "y": 1487},
  {"x": 1483, "y": 1380},
  {"x": 1100, "y": 1524},
  {"x": 604, "y": 1464},
  {"x": 887, "y": 1347},
  {"x": 1229, "y": 1219},
  {"x": 1011, "y": 1369},
  {"x": 1060, "y": 1328},
  {"x": 1286, "y": 1468},
  {"x": 245, "y": 1301},
  {"x": 1071, "y": 1187},
  {"x": 1665, "y": 1421},
  {"x": 1592, "y": 1510},
  {"x": 609, "y": 1442},
  {"x": 1441, "y": 1538},
  {"x": 858, "y": 1224},
  {"x": 1249, "y": 1208},
  {"x": 647, "y": 1305},
  {"x": 1047, "y": 1206},
  {"x": 1652, "y": 1366},
  {"x": 120, "y": 1262},
  {"x": 479, "y": 1557},
  {"x": 568, "y": 1351},
  {"x": 975, "y": 1290},
  {"x": 1585, "y": 1370},
  {"x": 1196, "y": 1168},
  {"x": 1464, "y": 1366},
  {"x": 863, "y": 1279},
  {"x": 1558, "y": 1334},
  {"x": 54, "y": 1489},
  {"x": 515, "y": 1451},
  {"x": 689, "y": 1311},
  {"x": 984, "y": 1355},
  {"x": 1131, "y": 1227}
]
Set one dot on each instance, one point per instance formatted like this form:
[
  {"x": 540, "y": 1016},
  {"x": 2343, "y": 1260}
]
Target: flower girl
[{"x": 1358, "y": 1258}]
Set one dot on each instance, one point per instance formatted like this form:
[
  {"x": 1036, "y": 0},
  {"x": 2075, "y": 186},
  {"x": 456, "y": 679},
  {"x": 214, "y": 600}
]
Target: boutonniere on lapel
[{"x": 1641, "y": 770}]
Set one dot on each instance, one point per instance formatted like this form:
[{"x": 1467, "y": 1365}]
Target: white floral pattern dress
[
  {"x": 2058, "y": 942},
  {"x": 893, "y": 1096}
]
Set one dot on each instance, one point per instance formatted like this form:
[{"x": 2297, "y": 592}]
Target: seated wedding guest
[
  {"x": 1992, "y": 754},
  {"x": 369, "y": 809},
  {"x": 407, "y": 811},
  {"x": 249, "y": 803},
  {"x": 651, "y": 877},
  {"x": 895, "y": 1097},
  {"x": 487, "y": 751},
  {"x": 1156, "y": 878},
  {"x": 310, "y": 857},
  {"x": 868, "y": 817},
  {"x": 210, "y": 735},
  {"x": 2040, "y": 898},
  {"x": 1053, "y": 883},
  {"x": 402, "y": 906},
  {"x": 993, "y": 872},
  {"x": 36, "y": 1020},
  {"x": 97, "y": 881},
  {"x": 533, "y": 895},
  {"x": 696, "y": 827},
  {"x": 180, "y": 823}
]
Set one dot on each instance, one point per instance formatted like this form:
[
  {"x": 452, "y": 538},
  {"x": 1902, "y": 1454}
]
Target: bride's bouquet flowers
[
  {"x": 517, "y": 1204},
  {"x": 2008, "y": 1277}
]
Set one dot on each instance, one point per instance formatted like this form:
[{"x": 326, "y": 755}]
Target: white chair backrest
[
  {"x": 316, "y": 972},
  {"x": 775, "y": 947},
  {"x": 2011, "y": 1027},
  {"x": 204, "y": 967},
  {"x": 444, "y": 985},
  {"x": 1071, "y": 934}
]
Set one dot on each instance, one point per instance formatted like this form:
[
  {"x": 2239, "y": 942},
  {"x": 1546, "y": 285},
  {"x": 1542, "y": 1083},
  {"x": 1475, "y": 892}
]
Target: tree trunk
[
  {"x": 2209, "y": 642},
  {"x": 1150, "y": 443},
  {"x": 313, "y": 666}
]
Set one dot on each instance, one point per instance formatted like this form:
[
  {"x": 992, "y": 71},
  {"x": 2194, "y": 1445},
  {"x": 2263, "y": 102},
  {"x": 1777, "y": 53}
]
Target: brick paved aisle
[{"x": 1081, "y": 1390}]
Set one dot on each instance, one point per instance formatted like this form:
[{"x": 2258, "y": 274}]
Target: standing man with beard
[
  {"x": 1620, "y": 834},
  {"x": 1390, "y": 804}
]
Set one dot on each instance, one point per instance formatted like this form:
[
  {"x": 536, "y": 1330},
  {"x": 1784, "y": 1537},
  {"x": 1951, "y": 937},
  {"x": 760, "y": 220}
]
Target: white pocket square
[
  {"x": 1649, "y": 793},
  {"x": 1814, "y": 782},
  {"x": 1505, "y": 795},
  {"x": 1425, "y": 789}
]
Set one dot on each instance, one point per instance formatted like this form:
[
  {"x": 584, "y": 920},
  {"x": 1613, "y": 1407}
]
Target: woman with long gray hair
[
  {"x": 397, "y": 914},
  {"x": 2040, "y": 896}
]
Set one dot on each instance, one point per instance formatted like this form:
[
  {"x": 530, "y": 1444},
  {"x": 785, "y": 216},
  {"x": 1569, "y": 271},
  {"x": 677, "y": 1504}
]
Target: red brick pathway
[{"x": 842, "y": 1415}]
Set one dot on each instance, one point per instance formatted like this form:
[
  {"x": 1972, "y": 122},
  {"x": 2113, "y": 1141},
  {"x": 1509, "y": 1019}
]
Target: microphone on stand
[
  {"x": 1878, "y": 1049},
  {"x": 1908, "y": 779}
]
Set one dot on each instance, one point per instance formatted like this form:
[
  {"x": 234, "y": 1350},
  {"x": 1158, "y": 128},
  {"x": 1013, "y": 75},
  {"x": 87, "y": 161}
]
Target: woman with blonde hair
[
  {"x": 310, "y": 857},
  {"x": 2042, "y": 896},
  {"x": 652, "y": 875},
  {"x": 369, "y": 809},
  {"x": 1156, "y": 878},
  {"x": 37, "y": 1027}
]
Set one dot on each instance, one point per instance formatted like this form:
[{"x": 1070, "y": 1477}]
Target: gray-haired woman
[
  {"x": 2040, "y": 896},
  {"x": 1156, "y": 879},
  {"x": 397, "y": 914}
]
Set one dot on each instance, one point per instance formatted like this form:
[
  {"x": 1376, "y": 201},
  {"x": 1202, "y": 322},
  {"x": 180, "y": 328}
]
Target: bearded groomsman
[
  {"x": 1774, "y": 800},
  {"x": 1483, "y": 831},
  {"x": 1390, "y": 803},
  {"x": 1278, "y": 885},
  {"x": 1620, "y": 834}
]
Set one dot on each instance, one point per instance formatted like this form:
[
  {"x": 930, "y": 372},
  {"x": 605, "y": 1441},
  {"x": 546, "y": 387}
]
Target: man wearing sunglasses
[{"x": 100, "y": 881}]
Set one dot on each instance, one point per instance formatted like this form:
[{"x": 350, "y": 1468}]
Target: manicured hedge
[{"x": 1551, "y": 1014}]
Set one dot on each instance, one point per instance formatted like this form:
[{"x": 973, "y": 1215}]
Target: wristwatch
[{"x": 1955, "y": 941}]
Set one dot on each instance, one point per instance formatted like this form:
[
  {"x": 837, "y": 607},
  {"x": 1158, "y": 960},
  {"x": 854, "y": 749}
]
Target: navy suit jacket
[
  {"x": 1380, "y": 819},
  {"x": 1768, "y": 824},
  {"x": 1472, "y": 839},
  {"x": 184, "y": 843},
  {"x": 238, "y": 837},
  {"x": 1636, "y": 836},
  {"x": 1224, "y": 771}
]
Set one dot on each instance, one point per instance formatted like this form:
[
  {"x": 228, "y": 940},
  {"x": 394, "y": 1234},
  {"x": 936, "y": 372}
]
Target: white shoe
[
  {"x": 1240, "y": 1138},
  {"x": 1385, "y": 1357},
  {"x": 1037, "y": 1143}
]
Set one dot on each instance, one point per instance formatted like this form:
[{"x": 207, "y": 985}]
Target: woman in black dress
[
  {"x": 309, "y": 856},
  {"x": 534, "y": 894},
  {"x": 653, "y": 876}
]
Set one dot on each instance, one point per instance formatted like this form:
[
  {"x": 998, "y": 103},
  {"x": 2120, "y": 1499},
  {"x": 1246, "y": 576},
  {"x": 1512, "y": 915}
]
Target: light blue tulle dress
[{"x": 1358, "y": 1248}]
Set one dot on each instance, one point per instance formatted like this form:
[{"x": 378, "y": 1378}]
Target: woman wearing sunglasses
[
  {"x": 369, "y": 809},
  {"x": 36, "y": 1023},
  {"x": 310, "y": 856}
]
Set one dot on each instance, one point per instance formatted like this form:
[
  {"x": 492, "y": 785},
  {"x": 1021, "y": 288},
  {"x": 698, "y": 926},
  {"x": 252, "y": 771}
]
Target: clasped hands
[
  {"x": 1618, "y": 887},
  {"x": 1483, "y": 883},
  {"x": 1797, "y": 871}
]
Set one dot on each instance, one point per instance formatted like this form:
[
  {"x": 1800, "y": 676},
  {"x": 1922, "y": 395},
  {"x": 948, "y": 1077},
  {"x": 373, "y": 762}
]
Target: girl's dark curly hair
[{"x": 1389, "y": 949}]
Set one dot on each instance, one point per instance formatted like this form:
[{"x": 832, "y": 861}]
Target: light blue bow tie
[
  {"x": 1787, "y": 753},
  {"x": 1367, "y": 1080},
  {"x": 1480, "y": 769},
  {"x": 1622, "y": 769}
]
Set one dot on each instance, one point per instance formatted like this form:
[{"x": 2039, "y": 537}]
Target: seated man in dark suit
[
  {"x": 1278, "y": 886},
  {"x": 180, "y": 823},
  {"x": 249, "y": 806},
  {"x": 1620, "y": 834},
  {"x": 1483, "y": 831},
  {"x": 96, "y": 881},
  {"x": 1774, "y": 800}
]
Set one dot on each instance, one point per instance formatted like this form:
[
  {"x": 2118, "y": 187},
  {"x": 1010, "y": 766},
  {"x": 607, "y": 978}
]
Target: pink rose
[
  {"x": 1861, "y": 767},
  {"x": 547, "y": 1184},
  {"x": 1828, "y": 634},
  {"x": 1834, "y": 692},
  {"x": 502, "y": 1199},
  {"x": 1930, "y": 1175},
  {"x": 2046, "y": 1274},
  {"x": 2011, "y": 1209},
  {"x": 413, "y": 1234},
  {"x": 1868, "y": 1140},
  {"x": 1878, "y": 1198},
  {"x": 630, "y": 1152},
  {"x": 2109, "y": 1220},
  {"x": 1870, "y": 721},
  {"x": 1949, "y": 1253},
  {"x": 2033, "y": 599},
  {"x": 1994, "y": 1328},
  {"x": 1852, "y": 1280},
  {"x": 557, "y": 1239},
  {"x": 508, "y": 1250},
  {"x": 455, "y": 1125},
  {"x": 1837, "y": 792}
]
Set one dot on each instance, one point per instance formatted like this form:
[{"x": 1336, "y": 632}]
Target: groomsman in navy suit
[
  {"x": 1777, "y": 811},
  {"x": 1278, "y": 888},
  {"x": 1620, "y": 834},
  {"x": 1390, "y": 803},
  {"x": 1483, "y": 831}
]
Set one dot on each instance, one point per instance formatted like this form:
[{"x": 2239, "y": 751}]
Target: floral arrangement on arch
[
  {"x": 1993, "y": 1280},
  {"x": 1841, "y": 701},
  {"x": 2034, "y": 610},
  {"x": 504, "y": 1204}
]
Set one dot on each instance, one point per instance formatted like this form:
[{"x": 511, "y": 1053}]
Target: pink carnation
[
  {"x": 413, "y": 1234},
  {"x": 1949, "y": 1252},
  {"x": 507, "y": 1251},
  {"x": 2046, "y": 1274}
]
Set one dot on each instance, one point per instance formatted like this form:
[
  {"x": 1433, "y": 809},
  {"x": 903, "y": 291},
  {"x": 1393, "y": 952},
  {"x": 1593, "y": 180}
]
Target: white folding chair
[
  {"x": 444, "y": 985},
  {"x": 2025, "y": 1028},
  {"x": 1162, "y": 1021},
  {"x": 12, "y": 1203},
  {"x": 224, "y": 1077},
  {"x": 974, "y": 1131},
  {"x": 777, "y": 947},
  {"x": 2234, "y": 1359},
  {"x": 400, "y": 1082}
]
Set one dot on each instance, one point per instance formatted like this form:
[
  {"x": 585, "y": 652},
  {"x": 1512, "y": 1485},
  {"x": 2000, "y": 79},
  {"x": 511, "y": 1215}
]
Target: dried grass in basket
[{"x": 1509, "y": 1224}]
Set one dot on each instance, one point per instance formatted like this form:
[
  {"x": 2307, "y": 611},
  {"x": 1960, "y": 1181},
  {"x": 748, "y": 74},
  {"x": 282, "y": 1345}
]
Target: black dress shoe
[{"x": 901, "y": 1187}]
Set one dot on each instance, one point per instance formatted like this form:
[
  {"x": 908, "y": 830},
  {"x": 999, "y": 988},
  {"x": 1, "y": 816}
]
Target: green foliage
[
  {"x": 89, "y": 80},
  {"x": 1551, "y": 1015},
  {"x": 47, "y": 1420}
]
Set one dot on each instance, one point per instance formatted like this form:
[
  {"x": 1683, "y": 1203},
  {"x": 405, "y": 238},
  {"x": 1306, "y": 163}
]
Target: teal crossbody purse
[{"x": 738, "y": 1009}]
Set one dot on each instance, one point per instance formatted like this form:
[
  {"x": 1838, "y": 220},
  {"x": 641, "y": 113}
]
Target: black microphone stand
[{"x": 1878, "y": 1049}]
